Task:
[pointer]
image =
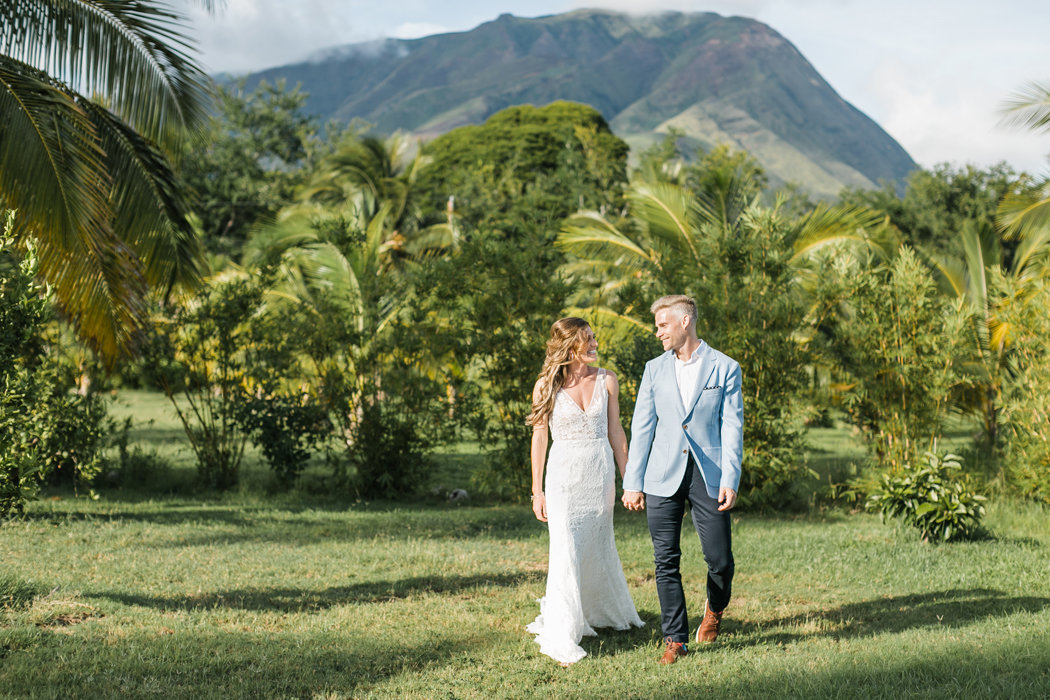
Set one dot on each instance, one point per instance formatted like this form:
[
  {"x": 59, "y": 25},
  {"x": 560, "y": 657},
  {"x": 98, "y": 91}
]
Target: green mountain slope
[{"x": 718, "y": 79}]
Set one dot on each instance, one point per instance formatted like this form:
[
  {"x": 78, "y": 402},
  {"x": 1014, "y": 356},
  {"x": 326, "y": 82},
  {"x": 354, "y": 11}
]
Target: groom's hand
[
  {"x": 727, "y": 498},
  {"x": 633, "y": 500}
]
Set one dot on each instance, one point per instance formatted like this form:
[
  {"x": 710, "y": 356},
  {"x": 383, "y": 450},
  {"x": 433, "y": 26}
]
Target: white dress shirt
[{"x": 687, "y": 374}]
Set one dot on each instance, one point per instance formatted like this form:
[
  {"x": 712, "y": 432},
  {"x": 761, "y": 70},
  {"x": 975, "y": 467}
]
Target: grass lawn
[{"x": 246, "y": 596}]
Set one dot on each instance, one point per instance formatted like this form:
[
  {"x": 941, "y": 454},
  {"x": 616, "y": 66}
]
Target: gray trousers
[{"x": 665, "y": 516}]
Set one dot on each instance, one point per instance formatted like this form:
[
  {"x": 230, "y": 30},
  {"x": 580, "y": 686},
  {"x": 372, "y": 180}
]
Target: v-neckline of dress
[{"x": 589, "y": 403}]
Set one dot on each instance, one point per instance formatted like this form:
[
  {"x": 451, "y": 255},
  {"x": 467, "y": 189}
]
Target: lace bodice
[{"x": 569, "y": 422}]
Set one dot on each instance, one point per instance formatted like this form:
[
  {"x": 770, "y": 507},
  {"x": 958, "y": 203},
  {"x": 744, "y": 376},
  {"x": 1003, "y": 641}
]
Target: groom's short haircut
[{"x": 678, "y": 303}]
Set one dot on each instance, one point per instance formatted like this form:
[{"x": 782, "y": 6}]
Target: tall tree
[
  {"x": 256, "y": 151},
  {"x": 92, "y": 95},
  {"x": 512, "y": 181}
]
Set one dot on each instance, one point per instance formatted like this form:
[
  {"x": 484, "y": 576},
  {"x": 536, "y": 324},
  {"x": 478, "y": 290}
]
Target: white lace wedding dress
[{"x": 585, "y": 582}]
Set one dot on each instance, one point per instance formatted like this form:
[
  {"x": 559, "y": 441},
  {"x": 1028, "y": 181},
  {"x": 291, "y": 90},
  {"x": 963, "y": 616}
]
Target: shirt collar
[{"x": 695, "y": 357}]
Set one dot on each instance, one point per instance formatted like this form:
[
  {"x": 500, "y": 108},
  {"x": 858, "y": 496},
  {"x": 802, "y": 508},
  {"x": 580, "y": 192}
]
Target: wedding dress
[{"x": 586, "y": 587}]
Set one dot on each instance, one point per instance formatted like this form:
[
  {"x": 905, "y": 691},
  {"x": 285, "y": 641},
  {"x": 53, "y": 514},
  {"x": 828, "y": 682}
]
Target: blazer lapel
[
  {"x": 707, "y": 370},
  {"x": 668, "y": 380}
]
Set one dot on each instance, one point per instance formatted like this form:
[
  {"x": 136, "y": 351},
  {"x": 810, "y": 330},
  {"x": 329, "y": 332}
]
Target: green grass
[
  {"x": 181, "y": 598},
  {"x": 243, "y": 595}
]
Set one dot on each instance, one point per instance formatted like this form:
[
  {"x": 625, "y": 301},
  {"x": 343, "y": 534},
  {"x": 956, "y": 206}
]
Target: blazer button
[
  {"x": 685, "y": 451},
  {"x": 685, "y": 426}
]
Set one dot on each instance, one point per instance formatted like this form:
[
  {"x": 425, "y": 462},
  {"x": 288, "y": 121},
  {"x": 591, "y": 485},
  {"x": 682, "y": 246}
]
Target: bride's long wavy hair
[{"x": 566, "y": 339}]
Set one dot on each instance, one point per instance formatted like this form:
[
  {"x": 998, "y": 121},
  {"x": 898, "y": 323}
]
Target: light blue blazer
[{"x": 663, "y": 431}]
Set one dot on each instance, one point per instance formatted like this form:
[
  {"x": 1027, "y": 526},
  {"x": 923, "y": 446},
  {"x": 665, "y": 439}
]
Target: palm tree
[
  {"x": 340, "y": 258},
  {"x": 375, "y": 171},
  {"x": 1024, "y": 215},
  {"x": 92, "y": 96}
]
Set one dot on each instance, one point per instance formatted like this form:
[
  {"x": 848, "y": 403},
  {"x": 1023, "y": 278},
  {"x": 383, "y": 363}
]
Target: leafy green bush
[
  {"x": 899, "y": 349},
  {"x": 934, "y": 498},
  {"x": 50, "y": 433},
  {"x": 23, "y": 308},
  {"x": 389, "y": 453},
  {"x": 199, "y": 357},
  {"x": 75, "y": 429},
  {"x": 1025, "y": 416},
  {"x": 286, "y": 429}
]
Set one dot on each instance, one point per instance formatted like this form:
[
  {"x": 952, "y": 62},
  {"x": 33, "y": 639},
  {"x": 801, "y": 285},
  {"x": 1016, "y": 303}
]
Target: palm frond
[
  {"x": 610, "y": 315},
  {"x": 134, "y": 55},
  {"x": 431, "y": 241},
  {"x": 99, "y": 285},
  {"x": 1025, "y": 216},
  {"x": 950, "y": 274},
  {"x": 150, "y": 214},
  {"x": 828, "y": 225},
  {"x": 1020, "y": 213},
  {"x": 668, "y": 210},
  {"x": 294, "y": 227},
  {"x": 52, "y": 169},
  {"x": 589, "y": 236},
  {"x": 979, "y": 253},
  {"x": 1029, "y": 107}
]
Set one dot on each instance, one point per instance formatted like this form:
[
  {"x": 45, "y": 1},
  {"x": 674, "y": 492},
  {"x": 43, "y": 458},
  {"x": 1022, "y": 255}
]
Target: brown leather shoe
[
  {"x": 672, "y": 652},
  {"x": 708, "y": 630}
]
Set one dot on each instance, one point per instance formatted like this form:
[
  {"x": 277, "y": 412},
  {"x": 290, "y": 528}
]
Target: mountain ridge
[{"x": 718, "y": 79}]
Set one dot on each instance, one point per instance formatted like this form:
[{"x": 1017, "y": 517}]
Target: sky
[{"x": 933, "y": 73}]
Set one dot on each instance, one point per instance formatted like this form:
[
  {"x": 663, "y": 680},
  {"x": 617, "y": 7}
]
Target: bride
[{"x": 585, "y": 582}]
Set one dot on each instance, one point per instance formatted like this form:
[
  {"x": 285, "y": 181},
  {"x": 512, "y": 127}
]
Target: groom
[{"x": 686, "y": 447}]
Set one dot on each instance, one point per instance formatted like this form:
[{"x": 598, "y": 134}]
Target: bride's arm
[
  {"x": 538, "y": 455},
  {"x": 617, "y": 438}
]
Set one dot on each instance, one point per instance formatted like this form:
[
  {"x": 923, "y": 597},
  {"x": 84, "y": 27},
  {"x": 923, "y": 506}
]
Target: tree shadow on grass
[
  {"x": 1003, "y": 668},
  {"x": 205, "y": 662},
  {"x": 301, "y": 599},
  {"x": 267, "y": 523},
  {"x": 888, "y": 615}
]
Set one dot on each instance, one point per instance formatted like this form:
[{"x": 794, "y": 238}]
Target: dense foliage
[
  {"x": 389, "y": 297},
  {"x": 253, "y": 156},
  {"x": 49, "y": 431},
  {"x": 897, "y": 346},
  {"x": 1026, "y": 394}
]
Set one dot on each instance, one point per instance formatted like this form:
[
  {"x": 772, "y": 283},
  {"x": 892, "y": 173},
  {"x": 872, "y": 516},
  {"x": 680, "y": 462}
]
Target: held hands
[
  {"x": 539, "y": 506},
  {"x": 633, "y": 500},
  {"x": 727, "y": 498}
]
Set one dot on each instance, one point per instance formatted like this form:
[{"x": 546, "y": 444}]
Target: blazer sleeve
[
  {"x": 643, "y": 428},
  {"x": 732, "y": 431}
]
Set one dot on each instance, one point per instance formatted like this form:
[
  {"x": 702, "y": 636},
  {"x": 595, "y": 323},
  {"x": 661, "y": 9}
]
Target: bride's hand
[{"x": 539, "y": 506}]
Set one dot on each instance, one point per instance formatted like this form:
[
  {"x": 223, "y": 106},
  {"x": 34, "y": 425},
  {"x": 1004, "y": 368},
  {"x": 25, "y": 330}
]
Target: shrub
[
  {"x": 899, "y": 347},
  {"x": 286, "y": 429},
  {"x": 931, "y": 498},
  {"x": 199, "y": 357},
  {"x": 389, "y": 453},
  {"x": 1025, "y": 417},
  {"x": 23, "y": 309},
  {"x": 75, "y": 430}
]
